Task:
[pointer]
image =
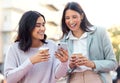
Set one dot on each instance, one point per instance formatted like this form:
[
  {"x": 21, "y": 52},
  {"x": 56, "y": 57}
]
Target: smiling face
[
  {"x": 39, "y": 30},
  {"x": 73, "y": 20}
]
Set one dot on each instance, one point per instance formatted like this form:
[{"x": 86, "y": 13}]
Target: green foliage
[{"x": 115, "y": 37}]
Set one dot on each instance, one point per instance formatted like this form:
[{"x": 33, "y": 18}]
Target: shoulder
[
  {"x": 14, "y": 45},
  {"x": 101, "y": 29},
  {"x": 97, "y": 30},
  {"x": 51, "y": 42},
  {"x": 13, "y": 48}
]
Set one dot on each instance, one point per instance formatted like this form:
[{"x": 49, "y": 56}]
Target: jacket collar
[{"x": 92, "y": 30}]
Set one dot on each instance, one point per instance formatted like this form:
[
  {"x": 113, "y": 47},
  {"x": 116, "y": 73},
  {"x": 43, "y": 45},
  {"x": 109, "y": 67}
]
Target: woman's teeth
[{"x": 73, "y": 25}]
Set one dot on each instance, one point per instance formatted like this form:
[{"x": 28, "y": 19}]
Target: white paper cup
[{"x": 44, "y": 50}]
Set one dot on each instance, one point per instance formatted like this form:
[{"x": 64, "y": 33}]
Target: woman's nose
[
  {"x": 42, "y": 28},
  {"x": 71, "y": 22}
]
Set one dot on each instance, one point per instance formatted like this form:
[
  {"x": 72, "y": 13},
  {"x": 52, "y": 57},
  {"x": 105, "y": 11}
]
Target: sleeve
[
  {"x": 60, "y": 68},
  {"x": 12, "y": 72},
  {"x": 109, "y": 60}
]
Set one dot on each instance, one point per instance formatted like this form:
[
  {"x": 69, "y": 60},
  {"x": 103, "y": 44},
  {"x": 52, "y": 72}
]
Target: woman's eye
[
  {"x": 43, "y": 25},
  {"x": 66, "y": 17},
  {"x": 74, "y": 16},
  {"x": 38, "y": 25}
]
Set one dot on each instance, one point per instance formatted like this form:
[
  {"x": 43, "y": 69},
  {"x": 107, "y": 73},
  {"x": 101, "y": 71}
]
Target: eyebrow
[
  {"x": 38, "y": 23},
  {"x": 41, "y": 23}
]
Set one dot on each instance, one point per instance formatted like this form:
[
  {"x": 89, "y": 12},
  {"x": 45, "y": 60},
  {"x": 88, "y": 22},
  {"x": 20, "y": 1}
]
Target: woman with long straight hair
[
  {"x": 32, "y": 58},
  {"x": 90, "y": 49}
]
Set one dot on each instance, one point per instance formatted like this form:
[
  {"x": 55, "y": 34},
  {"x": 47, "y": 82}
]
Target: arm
[
  {"x": 61, "y": 70},
  {"x": 14, "y": 73},
  {"x": 109, "y": 62},
  {"x": 62, "y": 63}
]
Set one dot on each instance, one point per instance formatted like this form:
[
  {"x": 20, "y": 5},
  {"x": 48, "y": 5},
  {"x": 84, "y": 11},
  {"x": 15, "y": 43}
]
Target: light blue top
[
  {"x": 19, "y": 69},
  {"x": 99, "y": 50}
]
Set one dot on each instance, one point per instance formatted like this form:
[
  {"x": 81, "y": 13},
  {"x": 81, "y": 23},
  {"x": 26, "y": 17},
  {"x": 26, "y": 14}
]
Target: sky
[
  {"x": 99, "y": 12},
  {"x": 102, "y": 12}
]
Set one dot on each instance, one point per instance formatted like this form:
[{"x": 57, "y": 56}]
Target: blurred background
[{"x": 105, "y": 13}]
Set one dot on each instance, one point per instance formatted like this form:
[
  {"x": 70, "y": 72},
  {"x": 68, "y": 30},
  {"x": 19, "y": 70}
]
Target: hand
[
  {"x": 90, "y": 64},
  {"x": 82, "y": 60},
  {"x": 72, "y": 61},
  {"x": 62, "y": 55},
  {"x": 41, "y": 56}
]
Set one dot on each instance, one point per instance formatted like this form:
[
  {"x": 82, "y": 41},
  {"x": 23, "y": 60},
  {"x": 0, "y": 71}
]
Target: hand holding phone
[{"x": 62, "y": 54}]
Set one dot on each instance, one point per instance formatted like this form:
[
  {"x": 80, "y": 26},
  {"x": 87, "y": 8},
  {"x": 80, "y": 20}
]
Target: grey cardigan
[{"x": 100, "y": 50}]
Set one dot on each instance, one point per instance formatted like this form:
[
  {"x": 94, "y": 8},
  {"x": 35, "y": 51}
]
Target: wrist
[
  {"x": 32, "y": 61},
  {"x": 93, "y": 65},
  {"x": 71, "y": 66}
]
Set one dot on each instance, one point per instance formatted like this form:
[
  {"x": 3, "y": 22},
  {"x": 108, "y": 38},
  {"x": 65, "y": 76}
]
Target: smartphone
[{"x": 63, "y": 45}]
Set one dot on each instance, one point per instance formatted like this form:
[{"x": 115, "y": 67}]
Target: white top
[{"x": 80, "y": 46}]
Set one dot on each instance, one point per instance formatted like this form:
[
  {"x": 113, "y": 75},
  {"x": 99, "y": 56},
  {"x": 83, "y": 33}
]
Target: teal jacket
[{"x": 100, "y": 50}]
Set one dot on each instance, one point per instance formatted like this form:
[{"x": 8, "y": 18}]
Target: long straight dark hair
[
  {"x": 76, "y": 7},
  {"x": 26, "y": 25}
]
